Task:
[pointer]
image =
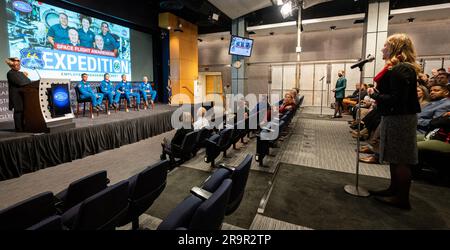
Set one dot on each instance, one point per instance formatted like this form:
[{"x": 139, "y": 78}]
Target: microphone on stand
[
  {"x": 361, "y": 63},
  {"x": 39, "y": 75},
  {"x": 36, "y": 83}
]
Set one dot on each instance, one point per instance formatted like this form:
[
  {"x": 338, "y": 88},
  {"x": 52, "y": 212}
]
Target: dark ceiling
[{"x": 143, "y": 14}]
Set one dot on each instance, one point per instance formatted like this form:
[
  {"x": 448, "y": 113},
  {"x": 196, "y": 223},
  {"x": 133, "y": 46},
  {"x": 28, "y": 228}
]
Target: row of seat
[
  {"x": 206, "y": 207},
  {"x": 89, "y": 203},
  {"x": 266, "y": 139}
]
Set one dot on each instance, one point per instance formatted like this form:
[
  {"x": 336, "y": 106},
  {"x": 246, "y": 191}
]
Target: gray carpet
[
  {"x": 182, "y": 179},
  {"x": 316, "y": 199}
]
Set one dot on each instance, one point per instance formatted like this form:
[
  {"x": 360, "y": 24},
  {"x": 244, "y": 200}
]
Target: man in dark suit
[{"x": 16, "y": 80}]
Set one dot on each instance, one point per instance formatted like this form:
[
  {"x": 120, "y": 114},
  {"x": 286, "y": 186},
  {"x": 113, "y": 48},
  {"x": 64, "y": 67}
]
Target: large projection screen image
[{"x": 56, "y": 43}]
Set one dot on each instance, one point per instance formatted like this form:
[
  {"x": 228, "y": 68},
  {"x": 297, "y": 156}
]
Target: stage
[{"x": 22, "y": 153}]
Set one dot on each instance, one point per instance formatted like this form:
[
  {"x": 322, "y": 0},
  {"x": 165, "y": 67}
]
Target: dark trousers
[
  {"x": 339, "y": 106},
  {"x": 18, "y": 120}
]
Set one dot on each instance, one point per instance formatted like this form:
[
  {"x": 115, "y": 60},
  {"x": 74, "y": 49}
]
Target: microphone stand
[
  {"x": 321, "y": 98},
  {"x": 356, "y": 190}
]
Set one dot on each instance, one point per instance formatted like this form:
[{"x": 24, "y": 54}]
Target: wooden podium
[
  {"x": 33, "y": 120},
  {"x": 37, "y": 116}
]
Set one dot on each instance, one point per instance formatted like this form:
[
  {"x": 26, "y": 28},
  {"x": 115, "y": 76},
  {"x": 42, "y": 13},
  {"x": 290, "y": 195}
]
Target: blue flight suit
[
  {"x": 86, "y": 38},
  {"x": 146, "y": 89},
  {"x": 87, "y": 92},
  {"x": 108, "y": 90},
  {"x": 126, "y": 88},
  {"x": 59, "y": 34},
  {"x": 110, "y": 42}
]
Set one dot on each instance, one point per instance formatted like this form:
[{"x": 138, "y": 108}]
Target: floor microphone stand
[
  {"x": 321, "y": 99},
  {"x": 356, "y": 190}
]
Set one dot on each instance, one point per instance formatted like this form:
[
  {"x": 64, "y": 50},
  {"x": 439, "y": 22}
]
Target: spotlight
[
  {"x": 271, "y": 33},
  {"x": 215, "y": 17},
  {"x": 333, "y": 27},
  {"x": 286, "y": 10},
  {"x": 411, "y": 19},
  {"x": 222, "y": 38}
]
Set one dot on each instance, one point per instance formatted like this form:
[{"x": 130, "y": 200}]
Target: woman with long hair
[
  {"x": 396, "y": 97},
  {"x": 424, "y": 95}
]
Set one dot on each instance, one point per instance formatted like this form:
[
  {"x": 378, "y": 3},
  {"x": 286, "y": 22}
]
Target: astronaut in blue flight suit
[
  {"x": 86, "y": 92},
  {"x": 108, "y": 90},
  {"x": 85, "y": 34},
  {"x": 146, "y": 89},
  {"x": 59, "y": 33},
  {"x": 110, "y": 42},
  {"x": 124, "y": 88}
]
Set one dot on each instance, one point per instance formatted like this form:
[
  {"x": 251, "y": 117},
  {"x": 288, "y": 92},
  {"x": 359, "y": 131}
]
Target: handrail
[{"x": 188, "y": 90}]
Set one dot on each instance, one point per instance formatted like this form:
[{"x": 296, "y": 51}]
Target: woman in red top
[
  {"x": 288, "y": 103},
  {"x": 396, "y": 97}
]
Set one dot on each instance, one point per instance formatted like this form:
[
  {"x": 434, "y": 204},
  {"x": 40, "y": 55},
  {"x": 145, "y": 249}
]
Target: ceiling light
[{"x": 286, "y": 10}]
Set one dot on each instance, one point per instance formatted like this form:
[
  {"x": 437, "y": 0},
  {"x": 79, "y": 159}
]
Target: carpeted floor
[
  {"x": 316, "y": 199},
  {"x": 182, "y": 179}
]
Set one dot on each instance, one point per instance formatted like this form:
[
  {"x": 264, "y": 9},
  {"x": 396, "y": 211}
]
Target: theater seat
[
  {"x": 27, "y": 213},
  {"x": 238, "y": 175},
  {"x": 216, "y": 144},
  {"x": 200, "y": 211},
  {"x": 185, "y": 151},
  {"x": 101, "y": 211},
  {"x": 52, "y": 223},
  {"x": 81, "y": 189},
  {"x": 144, "y": 189}
]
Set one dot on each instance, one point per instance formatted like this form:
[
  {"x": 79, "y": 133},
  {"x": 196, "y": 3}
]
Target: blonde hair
[
  {"x": 401, "y": 49},
  {"x": 201, "y": 112}
]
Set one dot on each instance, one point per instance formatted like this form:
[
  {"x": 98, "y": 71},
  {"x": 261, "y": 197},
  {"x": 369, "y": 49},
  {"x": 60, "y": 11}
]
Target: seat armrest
[
  {"x": 224, "y": 166},
  {"x": 201, "y": 193}
]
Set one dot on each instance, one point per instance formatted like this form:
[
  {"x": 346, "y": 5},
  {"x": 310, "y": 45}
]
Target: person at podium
[
  {"x": 16, "y": 80},
  {"x": 86, "y": 92}
]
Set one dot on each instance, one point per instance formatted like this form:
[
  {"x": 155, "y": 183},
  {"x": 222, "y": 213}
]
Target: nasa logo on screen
[
  {"x": 31, "y": 58},
  {"x": 22, "y": 6},
  {"x": 60, "y": 97},
  {"x": 116, "y": 66}
]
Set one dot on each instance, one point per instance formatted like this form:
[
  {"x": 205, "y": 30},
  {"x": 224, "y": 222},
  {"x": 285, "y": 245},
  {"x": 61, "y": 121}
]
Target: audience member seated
[
  {"x": 201, "y": 122},
  {"x": 434, "y": 147},
  {"x": 352, "y": 100},
  {"x": 288, "y": 104},
  {"x": 422, "y": 79},
  {"x": 442, "y": 78},
  {"x": 263, "y": 109},
  {"x": 423, "y": 95},
  {"x": 177, "y": 139},
  {"x": 242, "y": 109},
  {"x": 440, "y": 104}
]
